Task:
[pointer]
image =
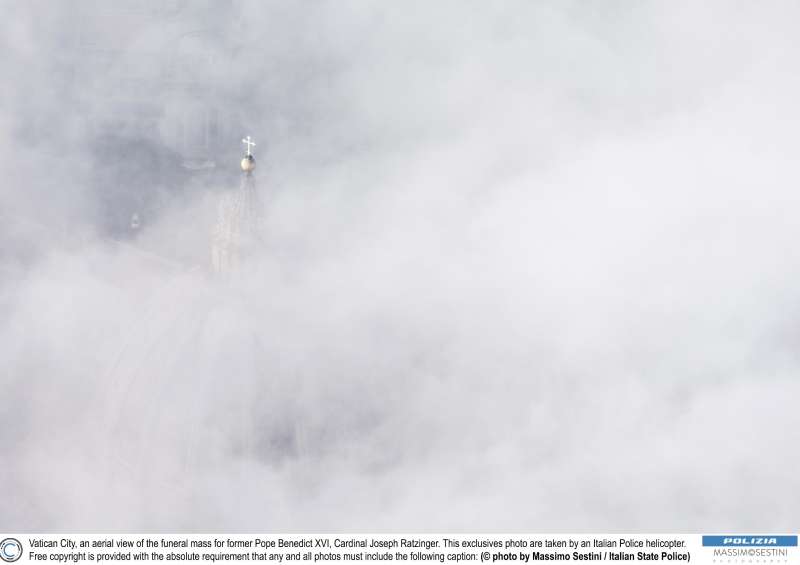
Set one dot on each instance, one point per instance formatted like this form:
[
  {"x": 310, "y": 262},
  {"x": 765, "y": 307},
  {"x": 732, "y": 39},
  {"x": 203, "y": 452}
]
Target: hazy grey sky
[{"x": 526, "y": 266}]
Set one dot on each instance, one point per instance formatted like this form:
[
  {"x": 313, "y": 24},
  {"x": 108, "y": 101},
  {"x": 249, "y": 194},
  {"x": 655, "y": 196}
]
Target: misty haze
[{"x": 515, "y": 266}]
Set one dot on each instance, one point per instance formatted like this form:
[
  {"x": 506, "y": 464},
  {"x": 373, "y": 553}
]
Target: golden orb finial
[{"x": 248, "y": 163}]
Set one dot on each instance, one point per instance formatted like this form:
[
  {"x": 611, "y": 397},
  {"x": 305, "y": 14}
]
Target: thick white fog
[{"x": 524, "y": 266}]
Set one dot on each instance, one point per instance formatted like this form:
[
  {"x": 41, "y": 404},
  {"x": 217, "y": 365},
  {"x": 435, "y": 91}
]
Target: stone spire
[{"x": 236, "y": 232}]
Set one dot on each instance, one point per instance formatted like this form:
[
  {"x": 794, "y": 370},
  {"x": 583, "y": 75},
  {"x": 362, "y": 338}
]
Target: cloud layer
[{"x": 524, "y": 267}]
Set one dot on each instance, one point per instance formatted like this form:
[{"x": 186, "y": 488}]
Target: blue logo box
[{"x": 749, "y": 541}]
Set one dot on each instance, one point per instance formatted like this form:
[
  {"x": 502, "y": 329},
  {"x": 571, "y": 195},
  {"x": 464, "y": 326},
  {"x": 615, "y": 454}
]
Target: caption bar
[{"x": 445, "y": 548}]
